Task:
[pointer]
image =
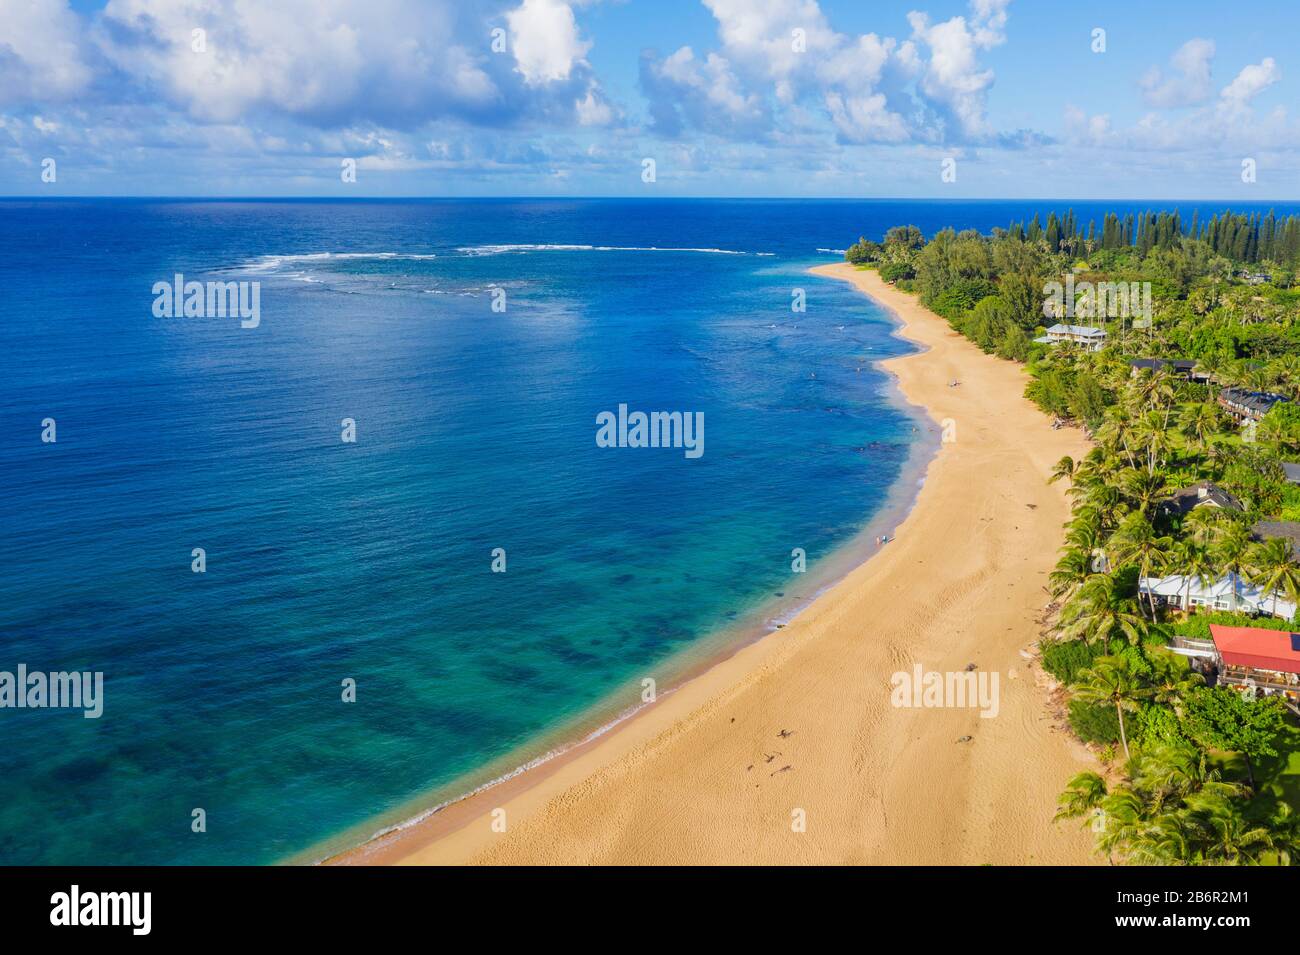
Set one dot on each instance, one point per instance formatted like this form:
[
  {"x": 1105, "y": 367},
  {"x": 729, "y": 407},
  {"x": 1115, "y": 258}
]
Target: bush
[
  {"x": 862, "y": 252},
  {"x": 1063, "y": 659},
  {"x": 1197, "y": 626},
  {"x": 1155, "y": 725},
  {"x": 897, "y": 270},
  {"x": 1094, "y": 722}
]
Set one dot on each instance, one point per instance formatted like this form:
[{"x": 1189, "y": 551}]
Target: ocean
[{"x": 387, "y": 622}]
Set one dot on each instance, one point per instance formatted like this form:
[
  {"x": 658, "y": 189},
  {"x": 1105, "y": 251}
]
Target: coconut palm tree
[
  {"x": 1195, "y": 560},
  {"x": 1144, "y": 489},
  {"x": 1199, "y": 422},
  {"x": 1112, "y": 680},
  {"x": 1070, "y": 573},
  {"x": 1082, "y": 797},
  {"x": 1136, "y": 542},
  {"x": 1273, "y": 566},
  {"x": 1284, "y": 827},
  {"x": 1099, "y": 611},
  {"x": 1227, "y": 837},
  {"x": 1204, "y": 524},
  {"x": 1064, "y": 469}
]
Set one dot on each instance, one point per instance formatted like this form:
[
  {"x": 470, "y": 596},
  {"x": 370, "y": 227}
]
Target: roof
[
  {"x": 1258, "y": 648},
  {"x": 1256, "y": 401},
  {"x": 1187, "y": 498},
  {"x": 1287, "y": 530},
  {"x": 1249, "y": 596},
  {"x": 1085, "y": 330},
  {"x": 1292, "y": 471},
  {"x": 1156, "y": 364}
]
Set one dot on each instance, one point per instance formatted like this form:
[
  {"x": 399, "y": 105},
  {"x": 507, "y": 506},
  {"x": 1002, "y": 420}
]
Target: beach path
[{"x": 799, "y": 725}]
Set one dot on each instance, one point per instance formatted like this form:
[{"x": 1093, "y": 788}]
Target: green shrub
[
  {"x": 1155, "y": 724},
  {"x": 1094, "y": 722},
  {"x": 897, "y": 270},
  {"x": 1063, "y": 659},
  {"x": 1197, "y": 626}
]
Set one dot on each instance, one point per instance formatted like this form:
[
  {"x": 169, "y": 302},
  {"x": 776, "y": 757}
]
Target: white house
[
  {"x": 1229, "y": 592},
  {"x": 1085, "y": 335}
]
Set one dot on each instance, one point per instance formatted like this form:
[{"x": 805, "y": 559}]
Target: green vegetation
[{"x": 1198, "y": 774}]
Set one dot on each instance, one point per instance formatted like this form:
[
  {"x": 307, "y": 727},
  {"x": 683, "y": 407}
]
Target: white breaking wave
[
  {"x": 273, "y": 263},
  {"x": 501, "y": 249},
  {"x": 835, "y": 251}
]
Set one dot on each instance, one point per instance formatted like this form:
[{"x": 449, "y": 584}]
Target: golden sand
[{"x": 800, "y": 723}]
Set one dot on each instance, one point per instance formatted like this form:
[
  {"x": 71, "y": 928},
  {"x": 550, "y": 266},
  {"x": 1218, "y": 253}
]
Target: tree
[
  {"x": 1136, "y": 542},
  {"x": 1100, "y": 610},
  {"x": 1064, "y": 469},
  {"x": 1195, "y": 561},
  {"x": 1082, "y": 797},
  {"x": 1223, "y": 718},
  {"x": 1272, "y": 565},
  {"x": 1112, "y": 680}
]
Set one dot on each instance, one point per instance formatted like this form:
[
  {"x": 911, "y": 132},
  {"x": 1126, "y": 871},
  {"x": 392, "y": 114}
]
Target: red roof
[{"x": 1257, "y": 648}]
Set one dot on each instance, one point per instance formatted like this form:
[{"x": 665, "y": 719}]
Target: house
[
  {"x": 1206, "y": 494},
  {"x": 1178, "y": 367},
  {"x": 1090, "y": 338},
  {"x": 1246, "y": 405},
  {"x": 1262, "y": 661},
  {"x": 1230, "y": 592},
  {"x": 1291, "y": 471},
  {"x": 1287, "y": 530}
]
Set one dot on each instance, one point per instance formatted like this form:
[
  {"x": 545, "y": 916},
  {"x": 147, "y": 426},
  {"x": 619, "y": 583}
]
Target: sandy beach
[{"x": 800, "y": 725}]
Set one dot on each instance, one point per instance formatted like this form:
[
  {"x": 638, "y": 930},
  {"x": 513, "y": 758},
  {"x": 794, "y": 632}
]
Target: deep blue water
[{"x": 372, "y": 561}]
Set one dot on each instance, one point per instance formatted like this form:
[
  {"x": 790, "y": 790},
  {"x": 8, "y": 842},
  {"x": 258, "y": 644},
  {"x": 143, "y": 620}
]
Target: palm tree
[
  {"x": 1112, "y": 680},
  {"x": 1232, "y": 552},
  {"x": 1136, "y": 543},
  {"x": 1116, "y": 431},
  {"x": 1070, "y": 573},
  {"x": 1214, "y": 367},
  {"x": 1082, "y": 797},
  {"x": 1195, "y": 560},
  {"x": 1099, "y": 611},
  {"x": 1227, "y": 837},
  {"x": 1204, "y": 523},
  {"x": 1064, "y": 469},
  {"x": 1284, "y": 827},
  {"x": 1286, "y": 373},
  {"x": 1273, "y": 566},
  {"x": 1143, "y": 488},
  {"x": 1200, "y": 421}
]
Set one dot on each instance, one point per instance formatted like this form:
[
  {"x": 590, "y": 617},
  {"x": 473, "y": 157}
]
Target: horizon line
[{"x": 574, "y": 198}]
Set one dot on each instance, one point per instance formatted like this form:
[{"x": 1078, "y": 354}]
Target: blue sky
[{"x": 727, "y": 97}]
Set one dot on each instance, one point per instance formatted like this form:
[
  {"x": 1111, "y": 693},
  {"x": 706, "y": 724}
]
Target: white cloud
[
  {"x": 545, "y": 41},
  {"x": 1251, "y": 81},
  {"x": 953, "y": 78},
  {"x": 324, "y": 61},
  {"x": 41, "y": 51},
  {"x": 688, "y": 91},
  {"x": 871, "y": 88},
  {"x": 1190, "y": 81}
]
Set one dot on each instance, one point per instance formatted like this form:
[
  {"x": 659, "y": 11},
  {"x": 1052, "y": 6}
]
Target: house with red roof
[{"x": 1267, "y": 661}]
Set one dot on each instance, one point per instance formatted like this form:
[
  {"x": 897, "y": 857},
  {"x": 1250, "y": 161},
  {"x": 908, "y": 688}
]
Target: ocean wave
[
  {"x": 834, "y": 251},
  {"x": 526, "y": 247},
  {"x": 273, "y": 263}
]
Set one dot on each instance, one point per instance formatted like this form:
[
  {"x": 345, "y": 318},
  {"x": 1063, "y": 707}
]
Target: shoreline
[{"x": 612, "y": 796}]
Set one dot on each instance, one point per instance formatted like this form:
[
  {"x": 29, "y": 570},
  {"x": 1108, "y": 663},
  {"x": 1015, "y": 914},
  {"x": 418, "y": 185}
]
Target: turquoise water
[{"x": 372, "y": 561}]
